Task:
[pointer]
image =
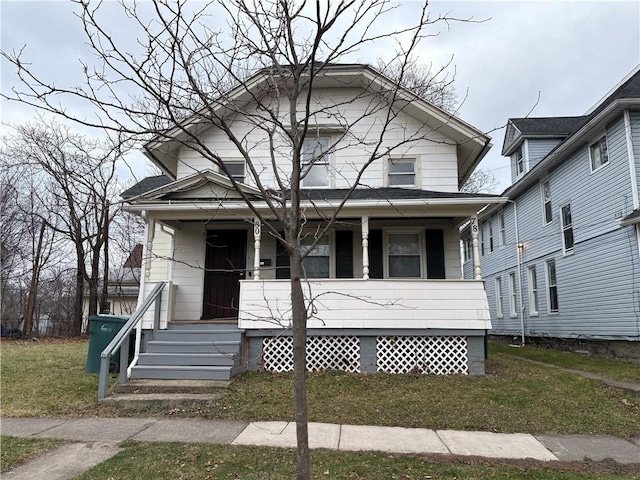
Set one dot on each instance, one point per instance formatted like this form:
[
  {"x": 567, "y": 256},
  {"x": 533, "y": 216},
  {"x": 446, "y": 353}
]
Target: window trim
[
  {"x": 328, "y": 162},
  {"x": 235, "y": 161},
  {"x": 521, "y": 152},
  {"x": 567, "y": 251},
  {"x": 545, "y": 201},
  {"x": 601, "y": 140},
  {"x": 396, "y": 160},
  {"x": 421, "y": 251},
  {"x": 534, "y": 293},
  {"x": 550, "y": 285},
  {"x": 499, "y": 298},
  {"x": 332, "y": 252},
  {"x": 513, "y": 295}
]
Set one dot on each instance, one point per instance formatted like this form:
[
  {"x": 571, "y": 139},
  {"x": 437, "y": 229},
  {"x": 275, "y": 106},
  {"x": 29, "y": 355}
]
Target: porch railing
[{"x": 121, "y": 340}]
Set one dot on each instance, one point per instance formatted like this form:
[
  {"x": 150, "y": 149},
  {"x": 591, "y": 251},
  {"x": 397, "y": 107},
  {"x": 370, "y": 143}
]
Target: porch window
[
  {"x": 317, "y": 263},
  {"x": 404, "y": 255},
  {"x": 533, "y": 291},
  {"x": 236, "y": 169},
  {"x": 552, "y": 286},
  {"x": 401, "y": 172},
  {"x": 567, "y": 229},
  {"x": 599, "y": 154},
  {"x": 468, "y": 248},
  {"x": 315, "y": 162}
]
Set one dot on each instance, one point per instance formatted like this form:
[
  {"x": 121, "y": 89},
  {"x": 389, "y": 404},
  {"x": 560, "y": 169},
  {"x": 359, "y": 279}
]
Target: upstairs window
[
  {"x": 503, "y": 236},
  {"x": 490, "y": 235},
  {"x": 315, "y": 162},
  {"x": 404, "y": 255},
  {"x": 401, "y": 172},
  {"x": 545, "y": 192},
  {"x": 567, "y": 229},
  {"x": 236, "y": 169},
  {"x": 598, "y": 154},
  {"x": 518, "y": 157}
]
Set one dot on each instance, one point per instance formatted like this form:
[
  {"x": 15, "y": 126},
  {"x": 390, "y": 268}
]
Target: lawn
[
  {"x": 617, "y": 369},
  {"x": 16, "y": 451},
  {"x": 516, "y": 396},
  {"x": 155, "y": 461}
]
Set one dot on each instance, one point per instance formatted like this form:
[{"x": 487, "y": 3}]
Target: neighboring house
[
  {"x": 561, "y": 259},
  {"x": 392, "y": 297},
  {"x": 123, "y": 288}
]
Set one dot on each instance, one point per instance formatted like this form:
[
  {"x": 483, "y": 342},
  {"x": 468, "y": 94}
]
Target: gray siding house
[{"x": 561, "y": 260}]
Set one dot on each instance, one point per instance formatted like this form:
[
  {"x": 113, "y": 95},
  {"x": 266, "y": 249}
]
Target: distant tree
[{"x": 480, "y": 181}]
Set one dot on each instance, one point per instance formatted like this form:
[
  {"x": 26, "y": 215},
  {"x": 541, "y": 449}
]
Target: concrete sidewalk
[{"x": 105, "y": 433}]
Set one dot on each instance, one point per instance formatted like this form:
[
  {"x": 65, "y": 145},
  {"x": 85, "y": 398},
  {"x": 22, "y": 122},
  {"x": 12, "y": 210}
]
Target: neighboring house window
[
  {"x": 598, "y": 154},
  {"x": 482, "y": 239},
  {"x": 533, "y": 291},
  {"x": 499, "y": 299},
  {"x": 236, "y": 169},
  {"x": 490, "y": 236},
  {"x": 547, "y": 213},
  {"x": 513, "y": 295},
  {"x": 105, "y": 307},
  {"x": 404, "y": 255},
  {"x": 519, "y": 159},
  {"x": 317, "y": 263},
  {"x": 567, "y": 229},
  {"x": 315, "y": 162},
  {"x": 503, "y": 236},
  {"x": 468, "y": 248},
  {"x": 552, "y": 286},
  {"x": 401, "y": 172}
]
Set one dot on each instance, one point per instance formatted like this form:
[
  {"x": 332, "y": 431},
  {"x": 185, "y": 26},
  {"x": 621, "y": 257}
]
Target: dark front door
[{"x": 225, "y": 262}]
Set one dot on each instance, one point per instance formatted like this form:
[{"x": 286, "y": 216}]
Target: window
[
  {"x": 105, "y": 308},
  {"x": 552, "y": 286},
  {"x": 315, "y": 162},
  {"x": 499, "y": 300},
  {"x": 503, "y": 236},
  {"x": 317, "y": 263},
  {"x": 468, "y": 248},
  {"x": 545, "y": 192},
  {"x": 401, "y": 173},
  {"x": 236, "y": 169},
  {"x": 533, "y": 291},
  {"x": 513, "y": 295},
  {"x": 482, "y": 239},
  {"x": 403, "y": 254},
  {"x": 519, "y": 159},
  {"x": 598, "y": 154},
  {"x": 490, "y": 235},
  {"x": 567, "y": 229}
]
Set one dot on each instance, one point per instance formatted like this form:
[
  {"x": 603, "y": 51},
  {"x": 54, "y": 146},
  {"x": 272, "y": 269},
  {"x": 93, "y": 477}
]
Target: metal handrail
[{"x": 121, "y": 340}]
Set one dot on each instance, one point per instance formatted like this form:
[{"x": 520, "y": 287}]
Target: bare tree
[
  {"x": 480, "y": 181},
  {"x": 257, "y": 73}
]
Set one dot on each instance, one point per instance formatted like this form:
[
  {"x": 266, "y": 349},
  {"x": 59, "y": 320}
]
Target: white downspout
[
  {"x": 632, "y": 160},
  {"x": 519, "y": 248}
]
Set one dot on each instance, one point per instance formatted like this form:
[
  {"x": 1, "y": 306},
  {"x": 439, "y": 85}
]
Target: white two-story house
[{"x": 386, "y": 278}]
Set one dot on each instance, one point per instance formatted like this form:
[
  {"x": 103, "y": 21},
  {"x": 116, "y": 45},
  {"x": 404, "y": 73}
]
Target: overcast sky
[{"x": 559, "y": 57}]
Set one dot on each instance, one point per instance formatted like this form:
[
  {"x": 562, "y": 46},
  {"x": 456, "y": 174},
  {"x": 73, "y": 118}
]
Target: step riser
[
  {"x": 209, "y": 327},
  {"x": 228, "y": 348},
  {"x": 196, "y": 336},
  {"x": 172, "y": 374},
  {"x": 187, "y": 359}
]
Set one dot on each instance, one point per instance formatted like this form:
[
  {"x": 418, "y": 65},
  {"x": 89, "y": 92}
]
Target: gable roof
[
  {"x": 519, "y": 129},
  {"x": 472, "y": 144},
  {"x": 580, "y": 129}
]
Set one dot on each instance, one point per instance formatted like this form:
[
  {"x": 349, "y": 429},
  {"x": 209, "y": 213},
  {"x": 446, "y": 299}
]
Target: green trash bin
[{"x": 103, "y": 329}]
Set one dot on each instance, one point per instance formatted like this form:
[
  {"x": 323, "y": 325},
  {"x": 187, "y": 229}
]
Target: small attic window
[
  {"x": 518, "y": 157},
  {"x": 236, "y": 169}
]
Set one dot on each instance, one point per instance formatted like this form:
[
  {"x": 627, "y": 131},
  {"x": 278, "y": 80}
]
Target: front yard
[{"x": 516, "y": 396}]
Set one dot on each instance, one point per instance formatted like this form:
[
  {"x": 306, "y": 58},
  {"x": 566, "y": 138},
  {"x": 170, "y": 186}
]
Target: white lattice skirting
[
  {"x": 443, "y": 355},
  {"x": 323, "y": 353},
  {"x": 435, "y": 355}
]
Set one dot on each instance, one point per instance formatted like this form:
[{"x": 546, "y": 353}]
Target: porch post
[
  {"x": 476, "y": 250},
  {"x": 365, "y": 248},
  {"x": 257, "y": 232}
]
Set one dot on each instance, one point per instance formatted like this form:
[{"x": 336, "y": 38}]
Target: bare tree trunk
[
  {"x": 35, "y": 281},
  {"x": 105, "y": 269},
  {"x": 76, "y": 325},
  {"x": 299, "y": 314}
]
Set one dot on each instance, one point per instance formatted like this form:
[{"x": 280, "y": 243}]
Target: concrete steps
[{"x": 192, "y": 352}]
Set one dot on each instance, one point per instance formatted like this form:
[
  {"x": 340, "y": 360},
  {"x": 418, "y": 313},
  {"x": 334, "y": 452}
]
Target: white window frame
[
  {"x": 534, "y": 297},
  {"x": 546, "y": 201},
  {"x": 502, "y": 234},
  {"x": 235, "y": 162},
  {"x": 520, "y": 160},
  {"x": 332, "y": 252},
  {"x": 421, "y": 250},
  {"x": 564, "y": 227},
  {"x": 390, "y": 174},
  {"x": 499, "y": 299},
  {"x": 598, "y": 144},
  {"x": 324, "y": 160},
  {"x": 513, "y": 295},
  {"x": 552, "y": 283}
]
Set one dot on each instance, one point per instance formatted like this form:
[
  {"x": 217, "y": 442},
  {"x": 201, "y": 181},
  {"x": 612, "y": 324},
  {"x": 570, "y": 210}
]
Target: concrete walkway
[{"x": 99, "y": 438}]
